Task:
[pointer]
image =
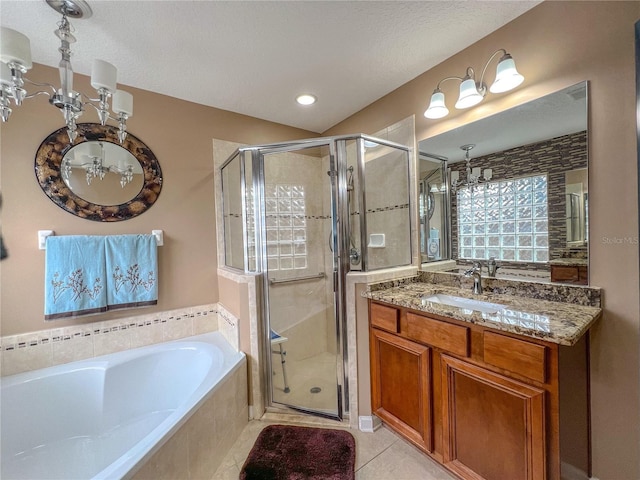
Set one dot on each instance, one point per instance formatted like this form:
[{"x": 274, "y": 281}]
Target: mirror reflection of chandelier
[
  {"x": 15, "y": 61},
  {"x": 96, "y": 165},
  {"x": 474, "y": 175}
]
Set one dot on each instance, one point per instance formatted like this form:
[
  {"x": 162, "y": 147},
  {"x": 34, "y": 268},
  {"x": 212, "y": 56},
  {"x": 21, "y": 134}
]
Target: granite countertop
[{"x": 555, "y": 322}]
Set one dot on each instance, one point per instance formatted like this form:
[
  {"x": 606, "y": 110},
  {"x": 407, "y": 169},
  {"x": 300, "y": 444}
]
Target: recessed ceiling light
[{"x": 306, "y": 99}]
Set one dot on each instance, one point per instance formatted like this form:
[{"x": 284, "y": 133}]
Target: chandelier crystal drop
[{"x": 15, "y": 61}]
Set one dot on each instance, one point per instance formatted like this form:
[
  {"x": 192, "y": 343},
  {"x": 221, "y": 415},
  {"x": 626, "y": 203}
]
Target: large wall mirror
[
  {"x": 97, "y": 177},
  {"x": 516, "y": 184}
]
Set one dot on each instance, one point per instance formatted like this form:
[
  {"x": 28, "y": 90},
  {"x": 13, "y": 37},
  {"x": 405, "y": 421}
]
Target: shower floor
[{"x": 318, "y": 371}]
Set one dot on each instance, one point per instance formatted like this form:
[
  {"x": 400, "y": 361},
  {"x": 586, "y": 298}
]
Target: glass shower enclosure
[{"x": 303, "y": 214}]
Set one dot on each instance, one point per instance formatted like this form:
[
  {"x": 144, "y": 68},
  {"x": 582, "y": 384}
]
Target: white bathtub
[{"x": 104, "y": 417}]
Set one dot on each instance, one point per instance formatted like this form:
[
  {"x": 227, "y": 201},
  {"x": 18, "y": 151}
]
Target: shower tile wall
[
  {"x": 553, "y": 157},
  {"x": 387, "y": 203}
]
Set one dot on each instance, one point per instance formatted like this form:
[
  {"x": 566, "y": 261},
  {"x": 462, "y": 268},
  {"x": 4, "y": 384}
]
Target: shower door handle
[{"x": 335, "y": 280}]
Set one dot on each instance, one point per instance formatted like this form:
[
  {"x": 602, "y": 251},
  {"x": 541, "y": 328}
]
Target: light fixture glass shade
[
  {"x": 15, "y": 47},
  {"x": 469, "y": 95},
  {"x": 507, "y": 77},
  {"x": 5, "y": 75},
  {"x": 104, "y": 75},
  {"x": 123, "y": 103},
  {"x": 437, "y": 108}
]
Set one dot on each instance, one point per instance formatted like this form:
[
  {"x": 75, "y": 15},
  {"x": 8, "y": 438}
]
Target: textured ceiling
[{"x": 255, "y": 57}]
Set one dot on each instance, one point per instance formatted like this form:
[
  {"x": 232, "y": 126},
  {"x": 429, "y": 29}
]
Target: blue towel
[
  {"x": 75, "y": 282},
  {"x": 132, "y": 270}
]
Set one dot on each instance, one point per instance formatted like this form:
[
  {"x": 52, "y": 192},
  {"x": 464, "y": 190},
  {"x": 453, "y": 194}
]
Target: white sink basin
[{"x": 464, "y": 303}]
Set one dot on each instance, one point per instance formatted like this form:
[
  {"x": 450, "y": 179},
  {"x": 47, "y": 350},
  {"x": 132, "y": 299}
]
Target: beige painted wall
[
  {"x": 180, "y": 135},
  {"x": 555, "y": 45}
]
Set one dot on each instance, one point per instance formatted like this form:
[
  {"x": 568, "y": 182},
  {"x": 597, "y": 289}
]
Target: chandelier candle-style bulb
[
  {"x": 104, "y": 75},
  {"x": 15, "y": 48},
  {"x": 5, "y": 75},
  {"x": 123, "y": 103}
]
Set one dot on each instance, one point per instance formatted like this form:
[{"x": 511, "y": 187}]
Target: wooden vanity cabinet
[{"x": 483, "y": 403}]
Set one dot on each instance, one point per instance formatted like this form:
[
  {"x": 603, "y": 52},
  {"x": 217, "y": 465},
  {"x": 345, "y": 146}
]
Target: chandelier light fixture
[
  {"x": 474, "y": 175},
  {"x": 15, "y": 61},
  {"x": 93, "y": 162},
  {"x": 472, "y": 92}
]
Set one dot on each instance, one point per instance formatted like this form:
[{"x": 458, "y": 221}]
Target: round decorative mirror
[{"x": 96, "y": 177}]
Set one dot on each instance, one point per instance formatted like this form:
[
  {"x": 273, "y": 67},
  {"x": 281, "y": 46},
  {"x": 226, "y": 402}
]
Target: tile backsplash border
[{"x": 55, "y": 346}]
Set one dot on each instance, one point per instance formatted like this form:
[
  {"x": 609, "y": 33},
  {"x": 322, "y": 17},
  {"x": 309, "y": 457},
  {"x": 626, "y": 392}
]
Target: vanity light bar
[{"x": 43, "y": 234}]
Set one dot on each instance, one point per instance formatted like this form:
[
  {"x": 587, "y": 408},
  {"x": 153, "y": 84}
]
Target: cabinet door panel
[
  {"x": 493, "y": 425},
  {"x": 400, "y": 386}
]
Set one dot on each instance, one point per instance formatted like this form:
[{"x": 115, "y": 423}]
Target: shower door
[{"x": 303, "y": 277}]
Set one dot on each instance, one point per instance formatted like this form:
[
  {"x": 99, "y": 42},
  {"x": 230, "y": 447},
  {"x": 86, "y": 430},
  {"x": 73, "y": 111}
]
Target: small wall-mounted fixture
[
  {"x": 474, "y": 176},
  {"x": 472, "y": 93},
  {"x": 15, "y": 56}
]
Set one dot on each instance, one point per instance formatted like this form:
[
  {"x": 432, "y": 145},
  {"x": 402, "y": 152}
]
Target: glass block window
[
  {"x": 286, "y": 226},
  {"x": 507, "y": 219}
]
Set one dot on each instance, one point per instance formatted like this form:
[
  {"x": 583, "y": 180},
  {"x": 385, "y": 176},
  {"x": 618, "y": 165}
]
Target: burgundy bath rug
[{"x": 284, "y": 452}]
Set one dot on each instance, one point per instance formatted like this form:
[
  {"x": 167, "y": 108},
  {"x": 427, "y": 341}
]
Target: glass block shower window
[
  {"x": 507, "y": 219},
  {"x": 286, "y": 226}
]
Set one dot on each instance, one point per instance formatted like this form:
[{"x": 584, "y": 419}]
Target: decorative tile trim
[
  {"x": 228, "y": 326},
  {"x": 140, "y": 330}
]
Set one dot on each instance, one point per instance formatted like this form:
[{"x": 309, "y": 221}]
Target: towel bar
[
  {"x": 43, "y": 234},
  {"x": 273, "y": 281}
]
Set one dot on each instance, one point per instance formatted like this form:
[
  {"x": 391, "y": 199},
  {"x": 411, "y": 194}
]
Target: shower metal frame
[{"x": 341, "y": 232}]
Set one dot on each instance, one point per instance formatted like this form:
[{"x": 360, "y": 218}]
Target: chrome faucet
[
  {"x": 492, "y": 267},
  {"x": 476, "y": 272}
]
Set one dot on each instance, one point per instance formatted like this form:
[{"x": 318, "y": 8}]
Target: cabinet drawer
[
  {"x": 385, "y": 318},
  {"x": 446, "y": 336},
  {"x": 518, "y": 356}
]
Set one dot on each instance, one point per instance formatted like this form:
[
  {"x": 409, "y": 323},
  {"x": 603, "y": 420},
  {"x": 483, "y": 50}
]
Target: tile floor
[
  {"x": 381, "y": 455},
  {"x": 318, "y": 371}
]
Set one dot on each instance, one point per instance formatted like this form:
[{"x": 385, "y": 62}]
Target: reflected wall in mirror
[
  {"x": 97, "y": 178},
  {"x": 536, "y": 154}
]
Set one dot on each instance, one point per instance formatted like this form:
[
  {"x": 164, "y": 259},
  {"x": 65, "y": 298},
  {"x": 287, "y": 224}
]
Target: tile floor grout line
[{"x": 372, "y": 459}]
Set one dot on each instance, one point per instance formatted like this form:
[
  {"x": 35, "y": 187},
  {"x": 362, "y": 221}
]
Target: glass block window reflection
[
  {"x": 507, "y": 219},
  {"x": 286, "y": 225}
]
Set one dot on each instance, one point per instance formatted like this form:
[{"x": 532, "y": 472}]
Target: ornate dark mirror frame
[{"x": 48, "y": 172}]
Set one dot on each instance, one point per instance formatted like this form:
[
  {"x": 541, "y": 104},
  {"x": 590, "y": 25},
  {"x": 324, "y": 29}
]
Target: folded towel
[
  {"x": 74, "y": 276},
  {"x": 132, "y": 270}
]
